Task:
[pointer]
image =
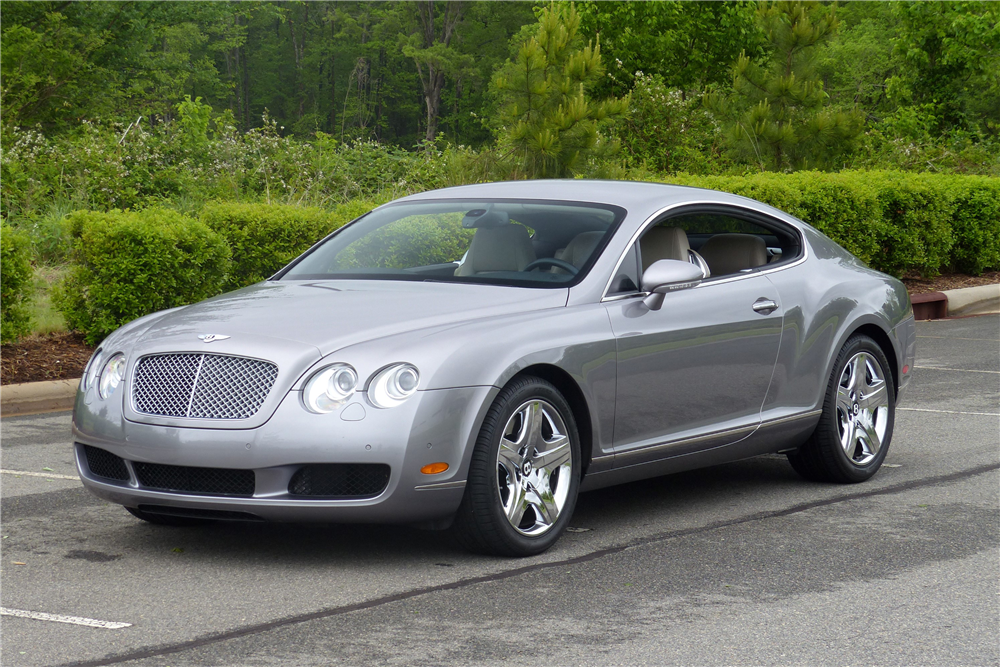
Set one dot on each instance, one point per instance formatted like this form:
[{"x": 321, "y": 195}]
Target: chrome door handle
[{"x": 764, "y": 306}]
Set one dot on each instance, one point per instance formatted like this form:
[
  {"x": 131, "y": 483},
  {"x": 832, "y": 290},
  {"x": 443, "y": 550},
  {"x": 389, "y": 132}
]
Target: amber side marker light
[{"x": 434, "y": 468}]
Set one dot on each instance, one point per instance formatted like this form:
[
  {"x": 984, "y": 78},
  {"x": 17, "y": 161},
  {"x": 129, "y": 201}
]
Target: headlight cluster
[
  {"x": 332, "y": 386},
  {"x": 111, "y": 376},
  {"x": 329, "y": 388}
]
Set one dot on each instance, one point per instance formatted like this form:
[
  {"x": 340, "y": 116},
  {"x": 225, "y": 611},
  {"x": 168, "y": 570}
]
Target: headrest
[
  {"x": 731, "y": 253},
  {"x": 580, "y": 248},
  {"x": 663, "y": 243},
  {"x": 506, "y": 248},
  {"x": 481, "y": 217}
]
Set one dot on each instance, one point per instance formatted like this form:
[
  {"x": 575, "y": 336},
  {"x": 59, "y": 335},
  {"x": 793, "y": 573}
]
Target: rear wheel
[
  {"x": 855, "y": 429},
  {"x": 524, "y": 475}
]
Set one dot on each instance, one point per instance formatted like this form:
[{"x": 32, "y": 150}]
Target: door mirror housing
[{"x": 668, "y": 275}]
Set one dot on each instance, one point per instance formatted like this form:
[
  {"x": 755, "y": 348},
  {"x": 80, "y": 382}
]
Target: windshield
[{"x": 524, "y": 243}]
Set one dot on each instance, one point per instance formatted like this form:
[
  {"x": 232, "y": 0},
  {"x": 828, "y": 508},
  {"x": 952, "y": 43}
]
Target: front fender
[{"x": 577, "y": 340}]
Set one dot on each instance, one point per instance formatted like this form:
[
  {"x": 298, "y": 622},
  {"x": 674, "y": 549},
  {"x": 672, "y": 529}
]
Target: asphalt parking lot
[{"x": 739, "y": 564}]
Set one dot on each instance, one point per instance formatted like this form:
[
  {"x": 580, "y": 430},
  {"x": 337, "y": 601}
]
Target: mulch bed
[
  {"x": 56, "y": 356},
  {"x": 951, "y": 281},
  {"x": 61, "y": 356}
]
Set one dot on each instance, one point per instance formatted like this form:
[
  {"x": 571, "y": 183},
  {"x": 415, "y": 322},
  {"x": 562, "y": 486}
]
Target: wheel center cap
[{"x": 526, "y": 468}]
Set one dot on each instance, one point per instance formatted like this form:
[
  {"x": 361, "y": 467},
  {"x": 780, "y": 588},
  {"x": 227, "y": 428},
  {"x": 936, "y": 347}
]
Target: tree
[
  {"x": 64, "y": 62},
  {"x": 545, "y": 116},
  {"x": 778, "y": 112},
  {"x": 949, "y": 56},
  {"x": 688, "y": 44},
  {"x": 431, "y": 50}
]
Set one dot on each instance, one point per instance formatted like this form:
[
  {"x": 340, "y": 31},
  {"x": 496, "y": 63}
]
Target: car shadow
[{"x": 321, "y": 545}]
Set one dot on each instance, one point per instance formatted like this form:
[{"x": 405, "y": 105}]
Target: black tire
[
  {"x": 481, "y": 525},
  {"x": 167, "y": 519},
  {"x": 823, "y": 458}
]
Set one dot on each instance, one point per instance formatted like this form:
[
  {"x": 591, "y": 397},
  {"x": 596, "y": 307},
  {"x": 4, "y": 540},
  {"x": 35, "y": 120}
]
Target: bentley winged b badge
[{"x": 211, "y": 338}]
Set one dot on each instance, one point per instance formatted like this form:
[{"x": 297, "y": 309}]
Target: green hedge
[
  {"x": 15, "y": 284},
  {"x": 897, "y": 222},
  {"x": 126, "y": 265},
  {"x": 976, "y": 224},
  {"x": 266, "y": 237}
]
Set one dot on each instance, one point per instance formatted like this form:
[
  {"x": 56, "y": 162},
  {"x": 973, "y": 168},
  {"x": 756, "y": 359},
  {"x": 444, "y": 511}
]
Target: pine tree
[
  {"x": 546, "y": 119},
  {"x": 778, "y": 112}
]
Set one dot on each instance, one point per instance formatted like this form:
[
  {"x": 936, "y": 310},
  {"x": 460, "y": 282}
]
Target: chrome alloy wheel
[
  {"x": 534, "y": 467},
  {"x": 862, "y": 408}
]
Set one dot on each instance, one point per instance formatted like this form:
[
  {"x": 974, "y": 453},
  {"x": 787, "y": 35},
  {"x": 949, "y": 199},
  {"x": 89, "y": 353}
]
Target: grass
[{"x": 44, "y": 317}]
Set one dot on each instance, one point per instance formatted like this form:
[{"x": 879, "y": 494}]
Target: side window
[
  {"x": 731, "y": 244},
  {"x": 627, "y": 278}
]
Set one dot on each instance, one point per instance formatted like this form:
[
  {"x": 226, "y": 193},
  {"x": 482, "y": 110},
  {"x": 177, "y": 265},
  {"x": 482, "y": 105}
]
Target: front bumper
[{"x": 433, "y": 426}]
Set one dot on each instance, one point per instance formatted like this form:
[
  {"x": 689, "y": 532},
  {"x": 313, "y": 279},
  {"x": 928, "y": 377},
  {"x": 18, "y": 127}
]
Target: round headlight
[
  {"x": 111, "y": 376},
  {"x": 329, "y": 388},
  {"x": 393, "y": 385},
  {"x": 91, "y": 370}
]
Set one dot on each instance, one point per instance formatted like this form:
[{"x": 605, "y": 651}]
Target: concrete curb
[
  {"x": 32, "y": 398},
  {"x": 973, "y": 300}
]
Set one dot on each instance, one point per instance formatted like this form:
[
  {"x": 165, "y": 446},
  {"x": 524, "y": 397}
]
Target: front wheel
[
  {"x": 524, "y": 475},
  {"x": 855, "y": 429}
]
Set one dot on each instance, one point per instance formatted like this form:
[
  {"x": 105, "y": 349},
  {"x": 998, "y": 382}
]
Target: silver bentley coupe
[{"x": 473, "y": 358}]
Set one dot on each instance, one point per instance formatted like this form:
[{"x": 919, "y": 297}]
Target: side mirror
[{"x": 668, "y": 275}]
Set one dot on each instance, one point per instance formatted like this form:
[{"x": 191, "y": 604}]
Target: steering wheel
[{"x": 552, "y": 261}]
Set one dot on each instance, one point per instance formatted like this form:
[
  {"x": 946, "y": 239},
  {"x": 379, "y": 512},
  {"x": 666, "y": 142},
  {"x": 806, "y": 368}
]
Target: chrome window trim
[{"x": 659, "y": 213}]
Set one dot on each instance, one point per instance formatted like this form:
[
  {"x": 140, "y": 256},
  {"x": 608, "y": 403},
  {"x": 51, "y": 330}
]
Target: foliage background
[{"x": 223, "y": 117}]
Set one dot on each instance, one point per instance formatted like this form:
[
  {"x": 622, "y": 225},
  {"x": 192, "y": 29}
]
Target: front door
[{"x": 693, "y": 374}]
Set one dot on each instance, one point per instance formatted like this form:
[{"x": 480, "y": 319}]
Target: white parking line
[
  {"x": 47, "y": 475},
  {"x": 952, "y": 412},
  {"x": 59, "y": 618},
  {"x": 957, "y": 370},
  {"x": 988, "y": 340}
]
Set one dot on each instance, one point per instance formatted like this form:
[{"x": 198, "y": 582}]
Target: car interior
[
  {"x": 544, "y": 243},
  {"x": 556, "y": 243},
  {"x": 721, "y": 244}
]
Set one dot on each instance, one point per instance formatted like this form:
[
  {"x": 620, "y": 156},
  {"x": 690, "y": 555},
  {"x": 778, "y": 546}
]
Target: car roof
[{"x": 638, "y": 198}]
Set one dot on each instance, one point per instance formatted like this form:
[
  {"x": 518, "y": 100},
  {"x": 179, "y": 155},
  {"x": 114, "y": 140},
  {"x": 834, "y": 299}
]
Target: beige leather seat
[
  {"x": 579, "y": 250},
  {"x": 731, "y": 253},
  {"x": 664, "y": 243},
  {"x": 503, "y": 248}
]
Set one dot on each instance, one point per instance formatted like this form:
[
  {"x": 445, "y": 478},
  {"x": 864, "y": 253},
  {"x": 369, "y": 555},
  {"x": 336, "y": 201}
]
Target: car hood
[{"x": 331, "y": 315}]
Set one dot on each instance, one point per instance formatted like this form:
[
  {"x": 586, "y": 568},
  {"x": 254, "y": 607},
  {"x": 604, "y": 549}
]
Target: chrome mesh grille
[{"x": 201, "y": 386}]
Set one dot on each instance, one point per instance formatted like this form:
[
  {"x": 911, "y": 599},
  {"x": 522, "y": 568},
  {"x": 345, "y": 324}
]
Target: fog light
[{"x": 434, "y": 468}]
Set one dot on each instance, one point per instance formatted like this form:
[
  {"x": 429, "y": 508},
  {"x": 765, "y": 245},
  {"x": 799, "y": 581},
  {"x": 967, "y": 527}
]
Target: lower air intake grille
[
  {"x": 340, "y": 480},
  {"x": 105, "y": 464},
  {"x": 208, "y": 481}
]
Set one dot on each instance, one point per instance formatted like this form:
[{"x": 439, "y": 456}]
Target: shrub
[
  {"x": 916, "y": 221},
  {"x": 126, "y": 265},
  {"x": 265, "y": 237},
  {"x": 668, "y": 130},
  {"x": 976, "y": 224},
  {"x": 15, "y": 284}
]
